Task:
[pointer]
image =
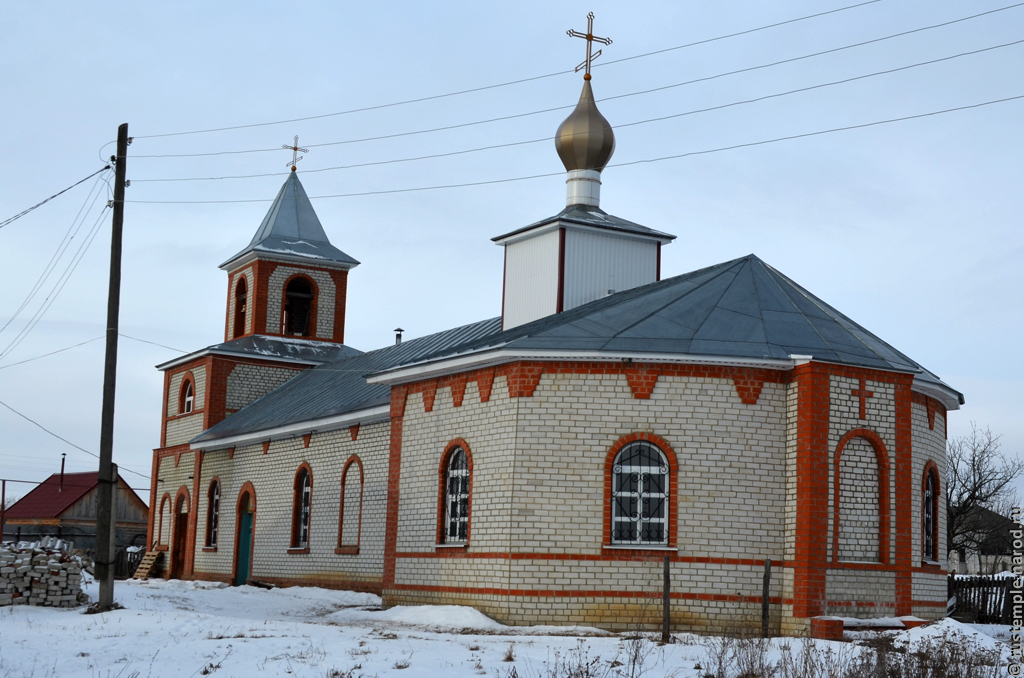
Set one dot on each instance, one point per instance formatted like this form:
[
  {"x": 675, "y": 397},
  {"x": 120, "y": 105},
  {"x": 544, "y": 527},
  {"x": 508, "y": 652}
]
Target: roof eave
[
  {"x": 249, "y": 255},
  {"x": 212, "y": 350},
  {"x": 363, "y": 416},
  {"x": 562, "y": 222}
]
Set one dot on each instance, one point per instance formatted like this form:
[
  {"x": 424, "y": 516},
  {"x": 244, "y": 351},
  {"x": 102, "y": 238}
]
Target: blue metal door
[{"x": 243, "y": 557}]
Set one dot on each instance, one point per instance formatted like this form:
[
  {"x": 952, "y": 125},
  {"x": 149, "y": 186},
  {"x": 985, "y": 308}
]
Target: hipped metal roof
[
  {"x": 742, "y": 308},
  {"x": 285, "y": 349},
  {"x": 291, "y": 230},
  {"x": 339, "y": 386}
]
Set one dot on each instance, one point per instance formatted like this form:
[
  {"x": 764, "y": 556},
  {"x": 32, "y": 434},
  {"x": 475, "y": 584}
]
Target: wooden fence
[{"x": 981, "y": 599}]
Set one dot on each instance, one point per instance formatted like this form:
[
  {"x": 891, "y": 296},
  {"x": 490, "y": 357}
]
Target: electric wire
[
  {"x": 621, "y": 164},
  {"x": 617, "y": 126},
  {"x": 19, "y": 215},
  {"x": 46, "y": 355},
  {"x": 58, "y": 254},
  {"x": 708, "y": 78},
  {"x": 510, "y": 82},
  {"x": 146, "y": 341},
  {"x": 65, "y": 440},
  {"x": 58, "y": 286}
]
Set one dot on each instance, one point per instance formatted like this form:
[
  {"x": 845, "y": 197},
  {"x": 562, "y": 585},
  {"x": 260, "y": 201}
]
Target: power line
[
  {"x": 19, "y": 215},
  {"x": 621, "y": 164},
  {"x": 65, "y": 440},
  {"x": 510, "y": 82},
  {"x": 611, "y": 98},
  {"x": 46, "y": 355},
  {"x": 145, "y": 341},
  {"x": 618, "y": 126}
]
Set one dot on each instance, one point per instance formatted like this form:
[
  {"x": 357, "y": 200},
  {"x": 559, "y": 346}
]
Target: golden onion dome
[{"x": 585, "y": 140}]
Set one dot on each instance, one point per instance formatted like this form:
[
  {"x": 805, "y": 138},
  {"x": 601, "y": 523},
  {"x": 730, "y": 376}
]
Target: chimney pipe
[
  {"x": 398, "y": 335},
  {"x": 62, "y": 456}
]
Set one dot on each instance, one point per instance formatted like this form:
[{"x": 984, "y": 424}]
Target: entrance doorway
[
  {"x": 180, "y": 537},
  {"x": 243, "y": 542}
]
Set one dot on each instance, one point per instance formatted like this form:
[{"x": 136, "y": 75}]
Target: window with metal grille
[
  {"x": 457, "y": 497},
  {"x": 928, "y": 509},
  {"x": 640, "y": 484},
  {"x": 300, "y": 519},
  {"x": 187, "y": 398},
  {"x": 213, "y": 514}
]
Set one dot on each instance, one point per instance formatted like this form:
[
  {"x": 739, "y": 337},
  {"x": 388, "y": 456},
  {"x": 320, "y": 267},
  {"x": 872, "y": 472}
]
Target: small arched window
[
  {"x": 213, "y": 513},
  {"x": 298, "y": 302},
  {"x": 456, "y": 497},
  {"x": 301, "y": 509},
  {"x": 929, "y": 515},
  {"x": 640, "y": 495},
  {"x": 351, "y": 518},
  {"x": 187, "y": 400},
  {"x": 163, "y": 527},
  {"x": 241, "y": 296}
]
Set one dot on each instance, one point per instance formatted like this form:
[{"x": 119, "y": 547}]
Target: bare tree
[{"x": 979, "y": 479}]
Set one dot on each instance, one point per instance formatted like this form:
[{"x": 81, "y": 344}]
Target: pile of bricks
[{"x": 32, "y": 576}]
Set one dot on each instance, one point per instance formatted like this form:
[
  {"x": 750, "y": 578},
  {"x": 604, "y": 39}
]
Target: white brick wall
[
  {"x": 170, "y": 479},
  {"x": 272, "y": 476},
  {"x": 184, "y": 428},
  {"x": 858, "y": 502},
  {"x": 247, "y": 383},
  {"x": 174, "y": 390},
  {"x": 928, "y": 445},
  {"x": 325, "y": 300}
]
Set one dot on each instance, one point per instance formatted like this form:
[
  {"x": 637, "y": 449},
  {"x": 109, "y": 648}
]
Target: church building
[{"x": 540, "y": 465}]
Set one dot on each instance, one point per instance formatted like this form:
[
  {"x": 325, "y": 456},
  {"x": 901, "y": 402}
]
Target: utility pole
[{"x": 105, "y": 516}]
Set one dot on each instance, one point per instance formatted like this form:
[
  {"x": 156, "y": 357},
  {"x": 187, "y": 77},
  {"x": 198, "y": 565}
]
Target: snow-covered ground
[{"x": 176, "y": 628}]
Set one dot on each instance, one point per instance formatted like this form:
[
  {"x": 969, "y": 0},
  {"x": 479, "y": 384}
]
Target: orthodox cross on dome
[
  {"x": 591, "y": 39},
  {"x": 863, "y": 394},
  {"x": 295, "y": 152}
]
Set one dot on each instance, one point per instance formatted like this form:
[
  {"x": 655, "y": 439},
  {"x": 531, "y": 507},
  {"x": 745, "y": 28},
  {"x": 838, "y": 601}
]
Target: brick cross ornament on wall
[{"x": 863, "y": 394}]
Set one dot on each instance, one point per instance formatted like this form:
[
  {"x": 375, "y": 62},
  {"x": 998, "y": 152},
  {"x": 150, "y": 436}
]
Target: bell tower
[{"x": 290, "y": 281}]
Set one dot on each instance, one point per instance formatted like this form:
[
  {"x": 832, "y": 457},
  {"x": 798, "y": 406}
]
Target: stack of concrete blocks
[{"x": 30, "y": 576}]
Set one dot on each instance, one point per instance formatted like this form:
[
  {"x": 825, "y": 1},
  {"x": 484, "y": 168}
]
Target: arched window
[
  {"x": 187, "y": 400},
  {"x": 241, "y": 295},
  {"x": 350, "y": 520},
  {"x": 930, "y": 514},
  {"x": 212, "y": 513},
  {"x": 163, "y": 527},
  {"x": 640, "y": 495},
  {"x": 298, "y": 302},
  {"x": 456, "y": 497},
  {"x": 301, "y": 508}
]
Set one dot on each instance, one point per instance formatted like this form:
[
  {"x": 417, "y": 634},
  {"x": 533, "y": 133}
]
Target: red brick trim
[
  {"x": 326, "y": 582},
  {"x": 616, "y": 555},
  {"x": 617, "y": 593},
  {"x": 293, "y": 544},
  {"x": 642, "y": 380},
  {"x": 353, "y": 431},
  {"x": 340, "y": 279},
  {"x": 458, "y": 390},
  {"x": 429, "y": 394},
  {"x": 905, "y": 494},
  {"x": 342, "y": 547},
  {"x": 314, "y": 305},
  {"x": 932, "y": 406},
  {"x": 673, "y": 482},
  {"x": 930, "y": 468},
  {"x": 812, "y": 517},
  {"x": 442, "y": 472},
  {"x": 231, "y": 453},
  {"x": 883, "y": 492},
  {"x": 484, "y": 383},
  {"x": 748, "y": 387},
  {"x": 266, "y": 446},
  {"x": 305, "y": 439},
  {"x": 247, "y": 490},
  {"x": 398, "y": 398}
]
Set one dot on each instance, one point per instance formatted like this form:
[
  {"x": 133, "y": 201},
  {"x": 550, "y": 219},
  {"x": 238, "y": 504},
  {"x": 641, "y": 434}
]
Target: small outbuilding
[{"x": 64, "y": 506}]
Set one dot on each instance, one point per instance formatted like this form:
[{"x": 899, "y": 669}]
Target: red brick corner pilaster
[
  {"x": 398, "y": 397},
  {"x": 905, "y": 495},
  {"x": 809, "y": 560}
]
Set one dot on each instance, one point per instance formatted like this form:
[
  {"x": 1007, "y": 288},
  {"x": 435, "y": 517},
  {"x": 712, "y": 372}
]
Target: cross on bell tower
[
  {"x": 591, "y": 39},
  {"x": 294, "y": 148}
]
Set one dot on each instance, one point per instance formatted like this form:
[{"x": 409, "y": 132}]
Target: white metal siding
[
  {"x": 531, "y": 279},
  {"x": 596, "y": 263}
]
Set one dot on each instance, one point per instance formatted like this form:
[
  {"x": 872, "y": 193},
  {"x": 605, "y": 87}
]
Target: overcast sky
[{"x": 913, "y": 229}]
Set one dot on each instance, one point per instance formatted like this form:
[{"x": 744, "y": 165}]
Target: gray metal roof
[
  {"x": 339, "y": 386},
  {"x": 274, "y": 348},
  {"x": 292, "y": 230},
  {"x": 595, "y": 217},
  {"x": 740, "y": 309}
]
